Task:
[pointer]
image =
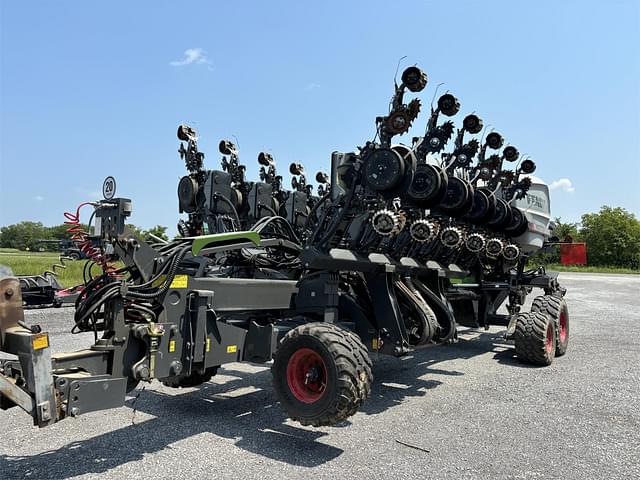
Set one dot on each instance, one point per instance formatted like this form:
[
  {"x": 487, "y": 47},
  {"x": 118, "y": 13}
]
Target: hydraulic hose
[
  {"x": 170, "y": 276},
  {"x": 228, "y": 202},
  {"x": 332, "y": 229}
]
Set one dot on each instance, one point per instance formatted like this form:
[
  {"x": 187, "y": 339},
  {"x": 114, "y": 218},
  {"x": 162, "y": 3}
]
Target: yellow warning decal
[
  {"x": 232, "y": 348},
  {"x": 208, "y": 344},
  {"x": 172, "y": 346},
  {"x": 180, "y": 281},
  {"x": 40, "y": 341}
]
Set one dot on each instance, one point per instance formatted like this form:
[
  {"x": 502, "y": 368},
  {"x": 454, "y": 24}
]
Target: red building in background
[{"x": 573, "y": 253}]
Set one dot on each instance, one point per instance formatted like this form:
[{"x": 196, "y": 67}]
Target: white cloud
[
  {"x": 38, "y": 198},
  {"x": 563, "y": 184},
  {"x": 192, "y": 56},
  {"x": 311, "y": 86}
]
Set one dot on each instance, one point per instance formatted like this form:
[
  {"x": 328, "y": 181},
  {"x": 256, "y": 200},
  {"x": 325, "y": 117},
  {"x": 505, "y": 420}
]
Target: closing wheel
[
  {"x": 321, "y": 374},
  {"x": 556, "y": 308},
  {"x": 535, "y": 338}
]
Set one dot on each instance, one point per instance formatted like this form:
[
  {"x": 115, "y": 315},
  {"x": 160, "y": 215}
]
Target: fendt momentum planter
[{"x": 401, "y": 245}]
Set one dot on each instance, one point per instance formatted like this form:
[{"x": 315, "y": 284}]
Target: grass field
[
  {"x": 22, "y": 253},
  {"x": 33, "y": 263},
  {"x": 591, "y": 269}
]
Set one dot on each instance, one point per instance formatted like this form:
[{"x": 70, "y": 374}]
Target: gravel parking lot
[{"x": 469, "y": 410}]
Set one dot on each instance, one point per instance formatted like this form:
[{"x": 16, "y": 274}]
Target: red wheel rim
[
  {"x": 307, "y": 375},
  {"x": 549, "y": 342},
  {"x": 563, "y": 327}
]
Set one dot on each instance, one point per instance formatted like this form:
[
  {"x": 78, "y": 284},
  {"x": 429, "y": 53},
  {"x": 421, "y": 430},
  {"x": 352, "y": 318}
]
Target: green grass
[
  {"x": 21, "y": 253},
  {"x": 36, "y": 263},
  {"x": 591, "y": 269}
]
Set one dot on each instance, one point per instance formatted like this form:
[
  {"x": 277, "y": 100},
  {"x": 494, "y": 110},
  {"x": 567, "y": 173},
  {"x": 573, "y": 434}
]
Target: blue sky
[{"x": 92, "y": 89}]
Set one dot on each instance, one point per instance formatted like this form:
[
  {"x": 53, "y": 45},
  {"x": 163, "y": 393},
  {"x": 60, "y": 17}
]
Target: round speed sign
[{"x": 109, "y": 188}]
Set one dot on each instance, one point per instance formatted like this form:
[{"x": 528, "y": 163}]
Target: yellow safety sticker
[
  {"x": 374, "y": 344},
  {"x": 180, "y": 281},
  {"x": 232, "y": 348},
  {"x": 208, "y": 344},
  {"x": 172, "y": 346},
  {"x": 40, "y": 341}
]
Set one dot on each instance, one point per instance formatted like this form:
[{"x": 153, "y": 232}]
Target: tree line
[
  {"x": 612, "y": 236},
  {"x": 30, "y": 235}
]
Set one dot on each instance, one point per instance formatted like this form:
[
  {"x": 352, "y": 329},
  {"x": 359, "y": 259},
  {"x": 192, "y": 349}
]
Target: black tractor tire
[
  {"x": 321, "y": 374},
  {"x": 535, "y": 338},
  {"x": 556, "y": 308},
  {"x": 74, "y": 256},
  {"x": 192, "y": 380}
]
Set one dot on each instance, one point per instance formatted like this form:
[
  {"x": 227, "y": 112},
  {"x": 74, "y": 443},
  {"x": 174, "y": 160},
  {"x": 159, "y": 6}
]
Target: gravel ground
[{"x": 472, "y": 410}]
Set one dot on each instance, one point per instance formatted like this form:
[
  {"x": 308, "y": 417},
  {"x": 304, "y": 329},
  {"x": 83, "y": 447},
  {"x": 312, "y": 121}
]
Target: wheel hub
[
  {"x": 549, "y": 340},
  {"x": 563, "y": 327},
  {"x": 307, "y": 375}
]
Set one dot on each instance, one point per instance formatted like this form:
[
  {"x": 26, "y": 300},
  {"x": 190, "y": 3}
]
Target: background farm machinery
[
  {"x": 43, "y": 290},
  {"x": 401, "y": 244}
]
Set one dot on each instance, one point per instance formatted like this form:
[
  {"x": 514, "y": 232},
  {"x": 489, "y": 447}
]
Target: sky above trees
[{"x": 93, "y": 89}]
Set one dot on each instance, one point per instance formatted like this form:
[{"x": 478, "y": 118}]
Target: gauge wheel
[
  {"x": 484, "y": 206},
  {"x": 458, "y": 200},
  {"x": 556, "y": 308},
  {"x": 535, "y": 338},
  {"x": 187, "y": 190},
  {"x": 321, "y": 374},
  {"x": 427, "y": 187},
  {"x": 502, "y": 216},
  {"x": 470, "y": 199},
  {"x": 384, "y": 169},
  {"x": 518, "y": 224}
]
